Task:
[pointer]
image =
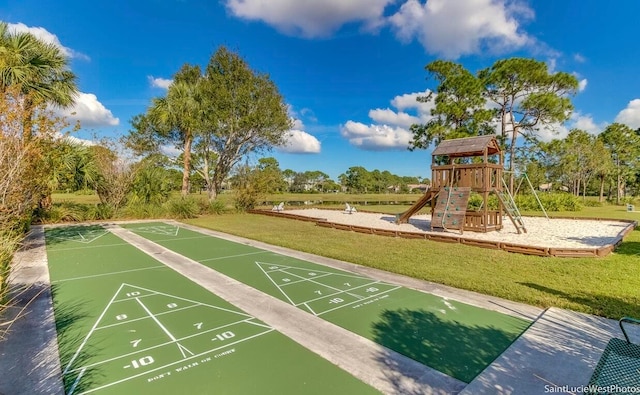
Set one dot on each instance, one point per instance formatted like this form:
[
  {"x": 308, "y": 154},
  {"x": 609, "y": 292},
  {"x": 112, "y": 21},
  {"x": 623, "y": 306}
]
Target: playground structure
[{"x": 453, "y": 182}]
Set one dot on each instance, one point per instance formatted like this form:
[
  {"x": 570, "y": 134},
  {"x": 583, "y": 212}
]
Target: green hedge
[{"x": 550, "y": 202}]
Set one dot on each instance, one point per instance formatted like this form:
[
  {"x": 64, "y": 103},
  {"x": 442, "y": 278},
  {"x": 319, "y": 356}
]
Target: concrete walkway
[{"x": 555, "y": 355}]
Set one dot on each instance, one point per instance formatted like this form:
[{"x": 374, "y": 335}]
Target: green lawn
[{"x": 605, "y": 286}]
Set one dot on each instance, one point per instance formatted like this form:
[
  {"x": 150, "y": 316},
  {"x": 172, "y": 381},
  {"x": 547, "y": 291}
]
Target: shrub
[
  {"x": 9, "y": 242},
  {"x": 139, "y": 210},
  {"x": 550, "y": 202},
  {"x": 183, "y": 208},
  {"x": 476, "y": 203},
  {"x": 592, "y": 203},
  {"x": 246, "y": 198},
  {"x": 215, "y": 207},
  {"x": 62, "y": 212},
  {"x": 100, "y": 211}
]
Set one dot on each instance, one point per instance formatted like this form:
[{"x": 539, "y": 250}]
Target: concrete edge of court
[
  {"x": 29, "y": 358},
  {"x": 382, "y": 368},
  {"x": 504, "y": 306},
  {"x": 560, "y": 348}
]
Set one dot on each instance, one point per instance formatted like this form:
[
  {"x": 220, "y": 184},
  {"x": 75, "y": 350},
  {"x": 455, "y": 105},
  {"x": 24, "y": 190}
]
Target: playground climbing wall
[{"x": 450, "y": 208}]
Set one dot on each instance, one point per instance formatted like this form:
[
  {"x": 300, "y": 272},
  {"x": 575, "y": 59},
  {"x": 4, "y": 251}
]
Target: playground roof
[{"x": 468, "y": 146}]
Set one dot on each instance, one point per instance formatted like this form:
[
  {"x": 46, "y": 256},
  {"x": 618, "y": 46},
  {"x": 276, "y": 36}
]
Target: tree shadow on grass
[
  {"x": 601, "y": 305},
  {"x": 631, "y": 248},
  {"x": 458, "y": 350}
]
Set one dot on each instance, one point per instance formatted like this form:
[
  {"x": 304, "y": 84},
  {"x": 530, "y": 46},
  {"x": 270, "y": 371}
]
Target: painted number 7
[{"x": 134, "y": 343}]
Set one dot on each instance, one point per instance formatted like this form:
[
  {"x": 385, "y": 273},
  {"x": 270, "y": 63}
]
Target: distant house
[
  {"x": 421, "y": 187},
  {"x": 545, "y": 187},
  {"x": 549, "y": 187}
]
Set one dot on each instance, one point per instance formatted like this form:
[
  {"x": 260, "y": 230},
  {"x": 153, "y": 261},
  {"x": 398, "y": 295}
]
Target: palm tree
[
  {"x": 177, "y": 116},
  {"x": 40, "y": 69}
]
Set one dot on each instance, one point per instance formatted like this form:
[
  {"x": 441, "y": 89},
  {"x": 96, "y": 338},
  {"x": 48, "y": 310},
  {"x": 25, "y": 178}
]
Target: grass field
[
  {"x": 415, "y": 324},
  {"x": 603, "y": 286}
]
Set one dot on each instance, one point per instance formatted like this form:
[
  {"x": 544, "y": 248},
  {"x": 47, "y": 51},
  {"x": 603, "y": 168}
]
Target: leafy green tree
[
  {"x": 245, "y": 112},
  {"x": 72, "y": 166},
  {"x": 288, "y": 176},
  {"x": 116, "y": 175},
  {"x": 40, "y": 69},
  {"x": 270, "y": 175},
  {"x": 151, "y": 184},
  {"x": 177, "y": 117},
  {"x": 624, "y": 146},
  {"x": 579, "y": 158},
  {"x": 459, "y": 106},
  {"x": 528, "y": 97},
  {"x": 601, "y": 168},
  {"x": 358, "y": 179}
]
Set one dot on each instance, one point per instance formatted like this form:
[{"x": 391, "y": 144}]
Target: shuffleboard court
[
  {"x": 129, "y": 325},
  {"x": 454, "y": 338}
]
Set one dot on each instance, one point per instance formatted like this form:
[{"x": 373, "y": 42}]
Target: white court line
[
  {"x": 318, "y": 283},
  {"x": 192, "y": 301},
  {"x": 247, "y": 321},
  {"x": 284, "y": 267},
  {"x": 83, "y": 238},
  {"x": 182, "y": 348},
  {"x": 75, "y": 383},
  {"x": 107, "y": 274},
  {"x": 91, "y": 331},
  {"x": 156, "y": 320},
  {"x": 359, "y": 300},
  {"x": 182, "y": 238},
  {"x": 310, "y": 309},
  {"x": 277, "y": 286},
  {"x": 54, "y": 250},
  {"x": 232, "y": 256},
  {"x": 144, "y": 318},
  {"x": 174, "y": 363},
  {"x": 338, "y": 291},
  {"x": 303, "y": 280},
  {"x": 158, "y": 230},
  {"x": 359, "y": 297}
]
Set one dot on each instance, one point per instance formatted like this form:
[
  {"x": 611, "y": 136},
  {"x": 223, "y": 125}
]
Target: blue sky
[{"x": 348, "y": 69}]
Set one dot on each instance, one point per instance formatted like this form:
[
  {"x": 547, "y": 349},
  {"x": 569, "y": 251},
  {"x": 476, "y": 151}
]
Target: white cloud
[
  {"x": 586, "y": 123},
  {"x": 388, "y": 116},
  {"x": 89, "y": 111},
  {"x": 630, "y": 116},
  {"x": 75, "y": 140},
  {"x": 582, "y": 85},
  {"x": 577, "y": 121},
  {"x": 44, "y": 35},
  {"x": 376, "y": 137},
  {"x": 453, "y": 28},
  {"x": 162, "y": 83},
  {"x": 170, "y": 151},
  {"x": 579, "y": 58},
  {"x": 300, "y": 142},
  {"x": 390, "y": 130},
  {"x": 310, "y": 18}
]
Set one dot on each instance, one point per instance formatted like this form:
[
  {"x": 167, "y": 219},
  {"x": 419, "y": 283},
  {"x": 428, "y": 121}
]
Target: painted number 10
[
  {"x": 224, "y": 336},
  {"x": 144, "y": 361}
]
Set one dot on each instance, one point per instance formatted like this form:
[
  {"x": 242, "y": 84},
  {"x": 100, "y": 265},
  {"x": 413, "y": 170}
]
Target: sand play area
[{"x": 541, "y": 232}]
